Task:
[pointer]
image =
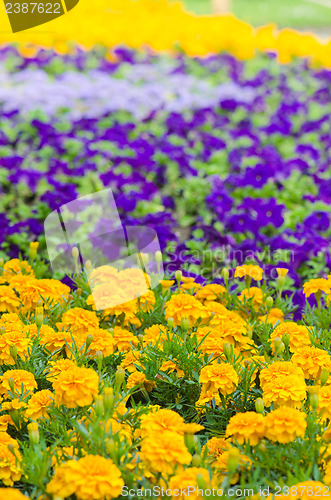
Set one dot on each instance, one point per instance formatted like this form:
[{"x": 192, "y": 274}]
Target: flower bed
[{"x": 211, "y": 387}]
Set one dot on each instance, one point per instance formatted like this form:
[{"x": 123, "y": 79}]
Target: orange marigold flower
[
  {"x": 299, "y": 334},
  {"x": 12, "y": 494},
  {"x": 10, "y": 470},
  {"x": 124, "y": 340},
  {"x": 55, "y": 341},
  {"x": 18, "y": 377},
  {"x": 254, "y": 272},
  {"x": 220, "y": 377},
  {"x": 285, "y": 424},
  {"x": 285, "y": 391},
  {"x": 278, "y": 369},
  {"x": 90, "y": 478},
  {"x": 55, "y": 368},
  {"x": 171, "y": 367},
  {"x": 131, "y": 359},
  {"x": 102, "y": 341},
  {"x": 160, "y": 421},
  {"x": 76, "y": 387},
  {"x": 155, "y": 333},
  {"x": 14, "y": 267},
  {"x": 139, "y": 379},
  {"x": 50, "y": 290},
  {"x": 275, "y": 315},
  {"x": 253, "y": 293},
  {"x": 147, "y": 301},
  {"x": 13, "y": 338},
  {"x": 163, "y": 452},
  {"x": 324, "y": 402},
  {"x": 9, "y": 302},
  {"x": 39, "y": 404},
  {"x": 312, "y": 360},
  {"x": 316, "y": 285},
  {"x": 166, "y": 284},
  {"x": 216, "y": 447},
  {"x": 80, "y": 321},
  {"x": 282, "y": 272},
  {"x": 212, "y": 292},
  {"x": 184, "y": 305},
  {"x": 246, "y": 427}
]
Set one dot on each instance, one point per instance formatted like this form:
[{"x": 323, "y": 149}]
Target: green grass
[{"x": 297, "y": 14}]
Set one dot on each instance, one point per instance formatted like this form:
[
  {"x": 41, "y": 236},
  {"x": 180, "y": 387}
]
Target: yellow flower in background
[
  {"x": 324, "y": 402},
  {"x": 39, "y": 404},
  {"x": 253, "y": 293},
  {"x": 14, "y": 267},
  {"x": 254, "y": 272},
  {"x": 76, "y": 387},
  {"x": 80, "y": 321},
  {"x": 12, "y": 494},
  {"x": 246, "y": 427},
  {"x": 9, "y": 302},
  {"x": 282, "y": 272},
  {"x": 299, "y": 335},
  {"x": 184, "y": 305},
  {"x": 90, "y": 478},
  {"x": 220, "y": 377},
  {"x": 10, "y": 470},
  {"x": 212, "y": 292},
  {"x": 17, "y": 378},
  {"x": 312, "y": 360},
  {"x": 275, "y": 315},
  {"x": 285, "y": 424},
  {"x": 316, "y": 285},
  {"x": 164, "y": 452}
]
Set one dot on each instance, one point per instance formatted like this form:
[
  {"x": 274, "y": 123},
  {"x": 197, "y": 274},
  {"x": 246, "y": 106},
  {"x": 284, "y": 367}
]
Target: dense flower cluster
[{"x": 194, "y": 390}]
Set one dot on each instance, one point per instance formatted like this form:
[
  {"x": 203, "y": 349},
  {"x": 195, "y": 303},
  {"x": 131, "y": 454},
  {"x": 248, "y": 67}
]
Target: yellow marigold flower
[
  {"x": 285, "y": 424},
  {"x": 80, "y": 321},
  {"x": 104, "y": 274},
  {"x": 11, "y": 319},
  {"x": 5, "y": 420},
  {"x": 12, "y": 494},
  {"x": 131, "y": 359},
  {"x": 32, "y": 330},
  {"x": 55, "y": 341},
  {"x": 9, "y": 302},
  {"x": 220, "y": 377},
  {"x": 55, "y": 368},
  {"x": 171, "y": 366},
  {"x": 324, "y": 402},
  {"x": 299, "y": 334},
  {"x": 285, "y": 391},
  {"x": 102, "y": 341},
  {"x": 39, "y": 405},
  {"x": 160, "y": 421},
  {"x": 312, "y": 360},
  {"x": 246, "y": 427},
  {"x": 277, "y": 369},
  {"x": 13, "y": 338},
  {"x": 90, "y": 478},
  {"x": 163, "y": 452},
  {"x": 188, "y": 478},
  {"x": 13, "y": 405},
  {"x": 147, "y": 301},
  {"x": 19, "y": 377},
  {"x": 48, "y": 289},
  {"x": 254, "y": 272},
  {"x": 124, "y": 339},
  {"x": 10, "y": 470},
  {"x": 190, "y": 286},
  {"x": 155, "y": 333},
  {"x": 76, "y": 387},
  {"x": 275, "y": 315},
  {"x": 281, "y": 271},
  {"x": 220, "y": 464},
  {"x": 166, "y": 284},
  {"x": 139, "y": 379},
  {"x": 184, "y": 305},
  {"x": 254, "y": 293},
  {"x": 206, "y": 398},
  {"x": 216, "y": 447},
  {"x": 210, "y": 292},
  {"x": 14, "y": 267},
  {"x": 316, "y": 285}
]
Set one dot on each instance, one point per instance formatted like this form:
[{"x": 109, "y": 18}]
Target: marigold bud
[
  {"x": 196, "y": 460},
  {"x": 324, "y": 376},
  {"x": 79, "y": 292},
  {"x": 178, "y": 276},
  {"x": 269, "y": 301},
  {"x": 119, "y": 376},
  {"x": 286, "y": 339},
  {"x": 11, "y": 383},
  {"x": 201, "y": 481},
  {"x": 225, "y": 275},
  {"x": 39, "y": 316},
  {"x": 277, "y": 344},
  {"x": 13, "y": 352},
  {"x": 75, "y": 253},
  {"x": 108, "y": 398},
  {"x": 1, "y": 266},
  {"x": 88, "y": 266},
  {"x": 99, "y": 406},
  {"x": 227, "y": 350},
  {"x": 88, "y": 341},
  {"x": 33, "y": 430},
  {"x": 259, "y": 406},
  {"x": 184, "y": 323},
  {"x": 110, "y": 446},
  {"x": 189, "y": 441},
  {"x": 158, "y": 257},
  {"x": 314, "y": 400},
  {"x": 33, "y": 249},
  {"x": 2, "y": 330}
]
